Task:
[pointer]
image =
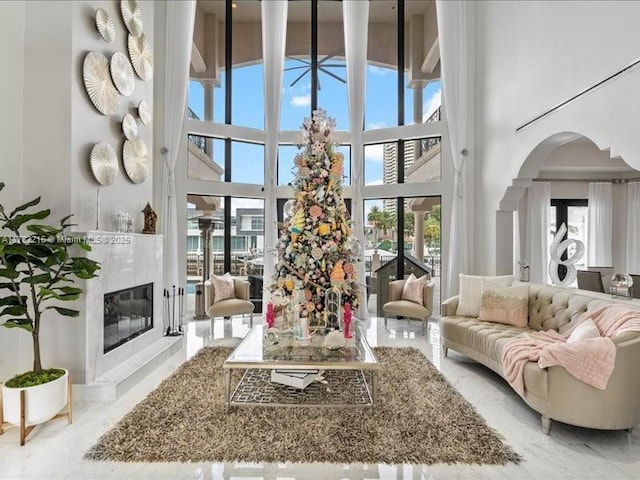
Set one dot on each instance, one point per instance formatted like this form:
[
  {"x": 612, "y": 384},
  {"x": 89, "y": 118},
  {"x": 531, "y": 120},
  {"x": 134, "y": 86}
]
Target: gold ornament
[
  {"x": 323, "y": 229},
  {"x": 288, "y": 283}
]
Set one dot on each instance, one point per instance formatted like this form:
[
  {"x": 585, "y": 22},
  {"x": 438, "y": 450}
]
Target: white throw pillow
[
  {"x": 413, "y": 288},
  {"x": 471, "y": 292},
  {"x": 223, "y": 287},
  {"x": 585, "y": 330},
  {"x": 507, "y": 305}
]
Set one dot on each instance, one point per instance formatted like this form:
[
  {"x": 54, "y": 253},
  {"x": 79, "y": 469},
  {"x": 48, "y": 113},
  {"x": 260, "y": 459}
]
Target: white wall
[
  {"x": 11, "y": 91},
  {"x": 89, "y": 126},
  {"x": 12, "y": 28},
  {"x": 530, "y": 56},
  {"x": 48, "y": 126}
]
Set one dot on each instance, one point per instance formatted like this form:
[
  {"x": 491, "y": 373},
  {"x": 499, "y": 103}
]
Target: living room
[{"x": 446, "y": 115}]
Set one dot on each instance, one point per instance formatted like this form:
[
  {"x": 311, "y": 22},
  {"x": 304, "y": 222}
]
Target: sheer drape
[
  {"x": 274, "y": 34},
  {"x": 633, "y": 229},
  {"x": 180, "y": 20},
  {"x": 538, "y": 206},
  {"x": 453, "y": 31},
  {"x": 600, "y": 225},
  {"x": 356, "y": 21}
]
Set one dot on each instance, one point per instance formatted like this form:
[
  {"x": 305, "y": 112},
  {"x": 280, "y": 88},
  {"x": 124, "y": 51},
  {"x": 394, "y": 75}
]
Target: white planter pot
[{"x": 43, "y": 402}]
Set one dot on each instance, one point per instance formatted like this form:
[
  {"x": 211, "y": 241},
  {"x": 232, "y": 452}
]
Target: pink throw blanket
[{"x": 591, "y": 361}]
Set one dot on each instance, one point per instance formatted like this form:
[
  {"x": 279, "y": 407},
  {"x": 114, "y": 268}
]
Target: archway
[{"x": 569, "y": 161}]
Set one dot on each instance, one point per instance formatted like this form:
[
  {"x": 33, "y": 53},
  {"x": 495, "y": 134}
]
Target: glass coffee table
[{"x": 345, "y": 369}]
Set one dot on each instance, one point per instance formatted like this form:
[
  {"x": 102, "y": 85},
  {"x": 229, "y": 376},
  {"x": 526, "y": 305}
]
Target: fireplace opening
[{"x": 128, "y": 313}]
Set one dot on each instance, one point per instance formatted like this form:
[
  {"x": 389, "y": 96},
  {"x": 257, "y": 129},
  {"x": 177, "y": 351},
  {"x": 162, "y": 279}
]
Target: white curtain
[
  {"x": 274, "y": 35},
  {"x": 633, "y": 229},
  {"x": 600, "y": 225},
  {"x": 453, "y": 32},
  {"x": 180, "y": 19},
  {"x": 356, "y": 21},
  {"x": 538, "y": 206}
]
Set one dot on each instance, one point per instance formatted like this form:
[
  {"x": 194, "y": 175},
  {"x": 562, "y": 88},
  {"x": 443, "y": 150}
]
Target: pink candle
[
  {"x": 347, "y": 320},
  {"x": 270, "y": 315}
]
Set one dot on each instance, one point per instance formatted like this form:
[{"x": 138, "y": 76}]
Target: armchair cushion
[
  {"x": 413, "y": 287},
  {"x": 223, "y": 287}
]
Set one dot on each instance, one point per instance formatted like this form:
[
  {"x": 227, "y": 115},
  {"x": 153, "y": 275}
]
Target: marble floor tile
[{"x": 55, "y": 450}]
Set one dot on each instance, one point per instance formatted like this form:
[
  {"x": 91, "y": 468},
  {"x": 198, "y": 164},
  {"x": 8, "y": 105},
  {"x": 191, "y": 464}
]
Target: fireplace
[{"x": 128, "y": 313}]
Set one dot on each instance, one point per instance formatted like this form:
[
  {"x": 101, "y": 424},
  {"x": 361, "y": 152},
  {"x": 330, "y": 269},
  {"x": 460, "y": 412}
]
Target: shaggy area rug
[{"x": 419, "y": 418}]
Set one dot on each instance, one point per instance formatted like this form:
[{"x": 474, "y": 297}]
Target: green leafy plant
[{"x": 37, "y": 272}]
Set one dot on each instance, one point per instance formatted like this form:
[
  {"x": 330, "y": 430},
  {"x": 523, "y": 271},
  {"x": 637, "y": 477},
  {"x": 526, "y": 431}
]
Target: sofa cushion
[
  {"x": 585, "y": 330},
  {"x": 506, "y": 305},
  {"x": 471, "y": 292},
  {"x": 488, "y": 339},
  {"x": 552, "y": 308}
]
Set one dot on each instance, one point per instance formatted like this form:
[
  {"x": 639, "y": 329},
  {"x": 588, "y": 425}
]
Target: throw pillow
[
  {"x": 508, "y": 305},
  {"x": 584, "y": 330},
  {"x": 223, "y": 287},
  {"x": 413, "y": 288},
  {"x": 471, "y": 292}
]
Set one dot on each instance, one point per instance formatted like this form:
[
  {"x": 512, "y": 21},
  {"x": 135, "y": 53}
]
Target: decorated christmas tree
[{"x": 316, "y": 249}]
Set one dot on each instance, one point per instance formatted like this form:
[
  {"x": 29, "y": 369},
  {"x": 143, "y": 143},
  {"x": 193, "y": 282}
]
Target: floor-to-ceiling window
[
  {"x": 227, "y": 142},
  {"x": 403, "y": 170}
]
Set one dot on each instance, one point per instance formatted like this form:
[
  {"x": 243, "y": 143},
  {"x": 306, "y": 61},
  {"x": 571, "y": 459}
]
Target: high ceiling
[{"x": 380, "y": 11}]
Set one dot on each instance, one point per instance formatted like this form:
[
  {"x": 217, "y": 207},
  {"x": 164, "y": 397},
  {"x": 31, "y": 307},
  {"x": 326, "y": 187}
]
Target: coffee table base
[{"x": 344, "y": 388}]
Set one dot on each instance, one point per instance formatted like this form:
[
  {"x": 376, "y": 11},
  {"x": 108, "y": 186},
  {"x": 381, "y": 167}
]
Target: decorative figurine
[{"x": 150, "y": 219}]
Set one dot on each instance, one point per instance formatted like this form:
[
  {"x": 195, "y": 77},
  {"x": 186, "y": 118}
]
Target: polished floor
[{"x": 55, "y": 450}]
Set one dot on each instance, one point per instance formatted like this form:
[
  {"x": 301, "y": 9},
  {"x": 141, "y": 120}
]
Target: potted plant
[{"x": 37, "y": 273}]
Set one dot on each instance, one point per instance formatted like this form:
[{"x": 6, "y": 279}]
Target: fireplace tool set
[{"x": 170, "y": 300}]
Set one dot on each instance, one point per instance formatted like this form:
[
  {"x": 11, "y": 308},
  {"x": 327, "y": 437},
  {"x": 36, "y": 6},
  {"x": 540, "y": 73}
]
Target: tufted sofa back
[{"x": 556, "y": 308}]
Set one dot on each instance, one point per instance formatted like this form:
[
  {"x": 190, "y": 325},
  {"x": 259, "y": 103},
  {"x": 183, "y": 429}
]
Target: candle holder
[{"x": 332, "y": 309}]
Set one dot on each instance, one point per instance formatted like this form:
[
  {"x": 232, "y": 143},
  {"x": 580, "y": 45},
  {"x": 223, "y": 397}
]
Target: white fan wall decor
[
  {"x": 144, "y": 112},
  {"x": 98, "y": 83},
  {"x": 104, "y": 163},
  {"x": 129, "y": 127},
  {"x": 132, "y": 17},
  {"x": 141, "y": 56},
  {"x": 136, "y": 160},
  {"x": 122, "y": 74},
  {"x": 105, "y": 25}
]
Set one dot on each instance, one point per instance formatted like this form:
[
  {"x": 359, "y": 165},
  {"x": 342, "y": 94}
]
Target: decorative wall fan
[
  {"x": 105, "y": 25},
  {"x": 97, "y": 81},
  {"x": 132, "y": 17},
  {"x": 136, "y": 160},
  {"x": 141, "y": 56},
  {"x": 104, "y": 163},
  {"x": 323, "y": 67}
]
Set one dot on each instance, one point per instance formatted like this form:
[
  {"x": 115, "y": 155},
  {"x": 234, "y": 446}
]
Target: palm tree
[{"x": 373, "y": 217}]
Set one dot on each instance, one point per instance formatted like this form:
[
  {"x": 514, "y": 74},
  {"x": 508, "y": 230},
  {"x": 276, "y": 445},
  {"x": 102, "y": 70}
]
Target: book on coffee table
[{"x": 300, "y": 379}]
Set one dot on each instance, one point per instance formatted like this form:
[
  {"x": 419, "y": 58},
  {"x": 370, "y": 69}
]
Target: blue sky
[{"x": 248, "y": 110}]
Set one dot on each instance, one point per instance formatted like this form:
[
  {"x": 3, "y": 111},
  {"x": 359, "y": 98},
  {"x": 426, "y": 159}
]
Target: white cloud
[
  {"x": 375, "y": 182},
  {"x": 379, "y": 70},
  {"x": 373, "y": 153},
  {"x": 432, "y": 104},
  {"x": 375, "y": 125},
  {"x": 301, "y": 100}
]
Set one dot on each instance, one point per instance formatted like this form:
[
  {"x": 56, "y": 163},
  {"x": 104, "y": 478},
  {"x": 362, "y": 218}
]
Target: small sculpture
[{"x": 150, "y": 219}]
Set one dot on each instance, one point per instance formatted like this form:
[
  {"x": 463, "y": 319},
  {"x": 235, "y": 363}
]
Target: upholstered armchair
[
  {"x": 238, "y": 305},
  {"x": 396, "y": 306}
]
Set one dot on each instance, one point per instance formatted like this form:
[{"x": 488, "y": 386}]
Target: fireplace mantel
[{"x": 127, "y": 260}]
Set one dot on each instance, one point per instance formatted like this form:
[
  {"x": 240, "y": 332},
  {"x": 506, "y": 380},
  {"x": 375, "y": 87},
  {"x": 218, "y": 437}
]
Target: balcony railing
[
  {"x": 427, "y": 144},
  {"x": 200, "y": 142}
]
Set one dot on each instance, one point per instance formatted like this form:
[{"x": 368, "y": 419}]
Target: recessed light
[{"x": 234, "y": 5}]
